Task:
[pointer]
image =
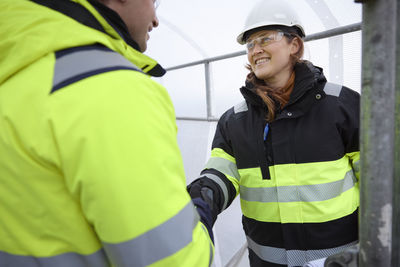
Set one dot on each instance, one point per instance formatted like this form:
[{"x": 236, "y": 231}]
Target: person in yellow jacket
[{"x": 90, "y": 169}]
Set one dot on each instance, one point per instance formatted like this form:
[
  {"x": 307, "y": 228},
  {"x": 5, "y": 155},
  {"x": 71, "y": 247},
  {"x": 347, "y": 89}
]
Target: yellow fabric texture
[{"x": 95, "y": 161}]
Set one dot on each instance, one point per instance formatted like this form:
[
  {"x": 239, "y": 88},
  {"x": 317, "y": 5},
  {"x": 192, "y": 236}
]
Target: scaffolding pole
[
  {"x": 396, "y": 194},
  {"x": 378, "y": 125}
]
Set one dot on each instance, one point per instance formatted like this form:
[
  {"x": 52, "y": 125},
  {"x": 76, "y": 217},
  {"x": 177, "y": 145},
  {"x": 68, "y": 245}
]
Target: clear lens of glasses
[{"x": 265, "y": 40}]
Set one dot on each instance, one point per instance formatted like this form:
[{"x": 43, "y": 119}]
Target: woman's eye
[{"x": 266, "y": 40}]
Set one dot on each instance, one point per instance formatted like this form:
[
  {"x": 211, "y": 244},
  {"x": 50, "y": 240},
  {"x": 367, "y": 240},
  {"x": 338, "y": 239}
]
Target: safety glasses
[
  {"x": 265, "y": 40},
  {"x": 156, "y": 3}
]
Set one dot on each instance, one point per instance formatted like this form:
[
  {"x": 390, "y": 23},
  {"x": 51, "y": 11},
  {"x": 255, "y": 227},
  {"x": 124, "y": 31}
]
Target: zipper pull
[{"x": 266, "y": 129}]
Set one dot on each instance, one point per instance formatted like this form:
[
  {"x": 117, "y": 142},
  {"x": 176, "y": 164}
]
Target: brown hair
[{"x": 269, "y": 96}]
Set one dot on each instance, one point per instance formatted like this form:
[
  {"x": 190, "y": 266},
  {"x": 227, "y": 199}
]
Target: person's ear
[{"x": 295, "y": 45}]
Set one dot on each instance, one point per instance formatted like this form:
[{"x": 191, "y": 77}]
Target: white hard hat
[{"x": 271, "y": 13}]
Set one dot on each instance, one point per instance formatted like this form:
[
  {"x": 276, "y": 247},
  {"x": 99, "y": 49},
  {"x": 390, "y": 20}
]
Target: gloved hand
[
  {"x": 205, "y": 215},
  {"x": 197, "y": 189}
]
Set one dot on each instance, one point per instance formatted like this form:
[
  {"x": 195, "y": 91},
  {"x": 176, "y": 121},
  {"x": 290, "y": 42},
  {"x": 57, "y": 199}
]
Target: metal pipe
[
  {"x": 207, "y": 60},
  {"x": 316, "y": 36},
  {"x": 377, "y": 132},
  {"x": 207, "y": 74},
  {"x": 334, "y": 32},
  {"x": 396, "y": 187},
  {"x": 196, "y": 119}
]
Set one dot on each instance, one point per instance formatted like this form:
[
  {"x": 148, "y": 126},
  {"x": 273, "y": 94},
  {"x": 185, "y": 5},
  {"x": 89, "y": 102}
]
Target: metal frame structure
[{"x": 206, "y": 62}]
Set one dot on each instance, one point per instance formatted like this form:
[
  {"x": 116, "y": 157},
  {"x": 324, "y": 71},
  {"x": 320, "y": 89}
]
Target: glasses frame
[
  {"x": 266, "y": 40},
  {"x": 156, "y": 3}
]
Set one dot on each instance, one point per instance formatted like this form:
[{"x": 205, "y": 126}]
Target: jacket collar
[
  {"x": 119, "y": 26},
  {"x": 307, "y": 78},
  {"x": 115, "y": 21}
]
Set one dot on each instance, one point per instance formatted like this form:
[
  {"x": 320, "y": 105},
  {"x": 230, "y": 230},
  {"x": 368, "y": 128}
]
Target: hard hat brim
[{"x": 241, "y": 38}]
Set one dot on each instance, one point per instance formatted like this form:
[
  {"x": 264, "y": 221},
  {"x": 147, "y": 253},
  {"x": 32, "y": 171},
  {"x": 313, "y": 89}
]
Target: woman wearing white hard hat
[{"x": 291, "y": 149}]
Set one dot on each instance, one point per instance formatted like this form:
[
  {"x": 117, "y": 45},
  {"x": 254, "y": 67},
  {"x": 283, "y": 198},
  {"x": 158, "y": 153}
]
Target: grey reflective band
[
  {"x": 223, "y": 165},
  {"x": 356, "y": 166},
  {"x": 241, "y": 107},
  {"x": 222, "y": 185},
  {"x": 295, "y": 193},
  {"x": 80, "y": 64},
  {"x": 292, "y": 257},
  {"x": 158, "y": 243},
  {"x": 332, "y": 89},
  {"x": 64, "y": 260}
]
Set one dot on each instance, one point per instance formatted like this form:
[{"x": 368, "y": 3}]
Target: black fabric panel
[
  {"x": 157, "y": 71},
  {"x": 246, "y": 132},
  {"x": 255, "y": 261},
  {"x": 332, "y": 234},
  {"x": 313, "y": 137},
  {"x": 350, "y": 105},
  {"x": 74, "y": 11},
  {"x": 306, "y": 236},
  {"x": 264, "y": 233},
  {"x": 221, "y": 138}
]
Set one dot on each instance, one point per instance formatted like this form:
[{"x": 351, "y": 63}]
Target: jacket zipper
[{"x": 264, "y": 158}]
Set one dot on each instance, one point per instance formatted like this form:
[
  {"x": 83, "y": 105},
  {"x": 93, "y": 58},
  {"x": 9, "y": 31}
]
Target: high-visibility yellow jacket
[
  {"x": 90, "y": 170},
  {"x": 297, "y": 176}
]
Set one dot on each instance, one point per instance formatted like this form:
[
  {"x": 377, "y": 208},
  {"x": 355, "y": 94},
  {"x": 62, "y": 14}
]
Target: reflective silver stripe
[
  {"x": 292, "y": 257},
  {"x": 332, "y": 89},
  {"x": 305, "y": 193},
  {"x": 270, "y": 254},
  {"x": 241, "y": 107},
  {"x": 356, "y": 166},
  {"x": 64, "y": 260},
  {"x": 222, "y": 185},
  {"x": 158, "y": 243},
  {"x": 85, "y": 61},
  {"x": 223, "y": 165}
]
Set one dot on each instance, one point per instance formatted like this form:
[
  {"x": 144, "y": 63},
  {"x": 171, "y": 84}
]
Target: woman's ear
[{"x": 295, "y": 46}]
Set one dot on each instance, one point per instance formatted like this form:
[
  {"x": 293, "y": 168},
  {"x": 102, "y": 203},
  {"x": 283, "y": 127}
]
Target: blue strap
[{"x": 266, "y": 129}]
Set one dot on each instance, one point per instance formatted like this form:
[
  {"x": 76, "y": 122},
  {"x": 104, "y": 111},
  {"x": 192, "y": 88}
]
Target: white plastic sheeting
[{"x": 195, "y": 30}]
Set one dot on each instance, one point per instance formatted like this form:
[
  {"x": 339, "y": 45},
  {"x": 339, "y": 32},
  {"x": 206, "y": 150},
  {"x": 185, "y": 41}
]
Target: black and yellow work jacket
[
  {"x": 297, "y": 176},
  {"x": 90, "y": 169}
]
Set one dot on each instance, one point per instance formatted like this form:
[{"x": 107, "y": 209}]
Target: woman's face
[{"x": 269, "y": 54}]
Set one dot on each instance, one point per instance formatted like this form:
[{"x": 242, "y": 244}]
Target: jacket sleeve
[
  {"x": 121, "y": 162},
  {"x": 220, "y": 173},
  {"x": 349, "y": 102}
]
